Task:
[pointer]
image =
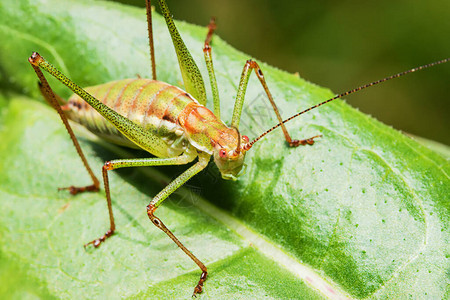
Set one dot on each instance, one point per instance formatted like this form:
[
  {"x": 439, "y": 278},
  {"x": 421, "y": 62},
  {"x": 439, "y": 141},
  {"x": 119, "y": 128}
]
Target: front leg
[
  {"x": 126, "y": 163},
  {"x": 246, "y": 72}
]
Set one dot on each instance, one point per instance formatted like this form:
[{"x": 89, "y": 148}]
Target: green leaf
[{"x": 363, "y": 213}]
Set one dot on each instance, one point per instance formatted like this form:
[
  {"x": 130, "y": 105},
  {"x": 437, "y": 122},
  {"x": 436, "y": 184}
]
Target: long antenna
[{"x": 249, "y": 145}]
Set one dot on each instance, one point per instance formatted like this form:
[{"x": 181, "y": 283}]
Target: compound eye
[
  {"x": 222, "y": 153},
  {"x": 245, "y": 138}
]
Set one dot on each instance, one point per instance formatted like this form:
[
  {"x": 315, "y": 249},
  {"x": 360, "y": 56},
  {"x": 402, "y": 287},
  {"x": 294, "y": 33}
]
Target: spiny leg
[
  {"x": 52, "y": 99},
  {"x": 158, "y": 199},
  {"x": 209, "y": 64},
  {"x": 135, "y": 133},
  {"x": 148, "y": 5},
  {"x": 246, "y": 72},
  {"x": 126, "y": 163},
  {"x": 48, "y": 98},
  {"x": 192, "y": 78},
  {"x": 166, "y": 192}
]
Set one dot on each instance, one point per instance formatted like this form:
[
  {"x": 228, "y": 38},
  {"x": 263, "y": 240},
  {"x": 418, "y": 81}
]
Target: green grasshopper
[{"x": 172, "y": 124}]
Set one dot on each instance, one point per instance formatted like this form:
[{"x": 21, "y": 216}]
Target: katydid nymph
[{"x": 172, "y": 124}]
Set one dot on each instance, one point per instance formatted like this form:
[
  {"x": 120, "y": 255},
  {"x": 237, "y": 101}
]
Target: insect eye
[
  {"x": 245, "y": 138},
  {"x": 222, "y": 153}
]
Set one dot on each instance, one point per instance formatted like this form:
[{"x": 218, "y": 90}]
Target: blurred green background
[{"x": 343, "y": 44}]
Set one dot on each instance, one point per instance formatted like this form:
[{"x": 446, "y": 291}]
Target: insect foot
[
  {"x": 199, "y": 288},
  {"x": 75, "y": 190},
  {"x": 96, "y": 243},
  {"x": 310, "y": 141}
]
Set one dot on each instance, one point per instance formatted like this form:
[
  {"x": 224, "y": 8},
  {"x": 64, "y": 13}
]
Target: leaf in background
[{"x": 365, "y": 207}]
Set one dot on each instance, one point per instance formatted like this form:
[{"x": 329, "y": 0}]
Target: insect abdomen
[{"x": 152, "y": 104}]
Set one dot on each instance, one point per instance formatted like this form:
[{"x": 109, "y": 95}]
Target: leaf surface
[{"x": 363, "y": 213}]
